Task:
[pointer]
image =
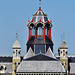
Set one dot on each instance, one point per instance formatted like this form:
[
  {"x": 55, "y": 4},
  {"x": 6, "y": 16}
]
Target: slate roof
[
  {"x": 7, "y": 74},
  {"x": 41, "y": 57},
  {"x": 71, "y": 62},
  {"x": 39, "y": 40},
  {"x": 63, "y": 45},
  {"x": 7, "y": 59},
  {"x": 39, "y": 15},
  {"x": 8, "y": 67},
  {"x": 48, "y": 41},
  {"x": 72, "y": 68},
  {"x": 31, "y": 40},
  {"x": 40, "y": 63},
  {"x": 40, "y": 66},
  {"x": 71, "y": 59}
]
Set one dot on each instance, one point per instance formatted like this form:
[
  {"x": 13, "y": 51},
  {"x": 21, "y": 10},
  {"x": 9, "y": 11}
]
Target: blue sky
[{"x": 14, "y": 18}]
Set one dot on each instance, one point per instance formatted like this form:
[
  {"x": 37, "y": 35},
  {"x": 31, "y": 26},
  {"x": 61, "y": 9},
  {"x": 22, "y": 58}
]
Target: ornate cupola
[{"x": 39, "y": 32}]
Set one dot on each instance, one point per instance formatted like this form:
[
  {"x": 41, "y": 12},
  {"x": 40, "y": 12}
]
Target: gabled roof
[
  {"x": 50, "y": 53},
  {"x": 40, "y": 66},
  {"x": 63, "y": 45},
  {"x": 40, "y": 57},
  {"x": 40, "y": 63},
  {"x": 30, "y": 53}
]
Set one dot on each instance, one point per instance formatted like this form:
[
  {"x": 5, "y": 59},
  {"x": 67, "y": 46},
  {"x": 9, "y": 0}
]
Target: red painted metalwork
[
  {"x": 50, "y": 33},
  {"x": 48, "y": 21},
  {"x": 29, "y": 34},
  {"x": 51, "y": 23},
  {"x": 35, "y": 33},
  {"x": 28, "y": 21},
  {"x": 30, "y": 30},
  {"x": 31, "y": 21},
  {"x": 40, "y": 22},
  {"x": 44, "y": 33},
  {"x": 39, "y": 9}
]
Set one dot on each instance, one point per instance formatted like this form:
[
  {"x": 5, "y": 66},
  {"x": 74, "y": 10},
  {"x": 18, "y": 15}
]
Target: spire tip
[
  {"x": 39, "y": 3},
  {"x": 16, "y": 35}
]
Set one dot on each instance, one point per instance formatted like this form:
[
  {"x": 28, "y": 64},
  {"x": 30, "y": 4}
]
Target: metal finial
[
  {"x": 63, "y": 37},
  {"x": 39, "y": 3},
  {"x": 16, "y": 36}
]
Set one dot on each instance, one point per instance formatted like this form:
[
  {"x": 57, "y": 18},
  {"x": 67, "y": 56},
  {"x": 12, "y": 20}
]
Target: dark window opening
[
  {"x": 40, "y": 13},
  {"x": 16, "y": 52},
  {"x": 66, "y": 52},
  {"x": 19, "y": 52},
  {"x": 1, "y": 68},
  {"x": 45, "y": 18}
]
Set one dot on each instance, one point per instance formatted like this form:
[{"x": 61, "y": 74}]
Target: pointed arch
[
  {"x": 32, "y": 27},
  {"x": 40, "y": 28}
]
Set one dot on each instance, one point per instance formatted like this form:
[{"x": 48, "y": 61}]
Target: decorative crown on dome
[{"x": 39, "y": 17}]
